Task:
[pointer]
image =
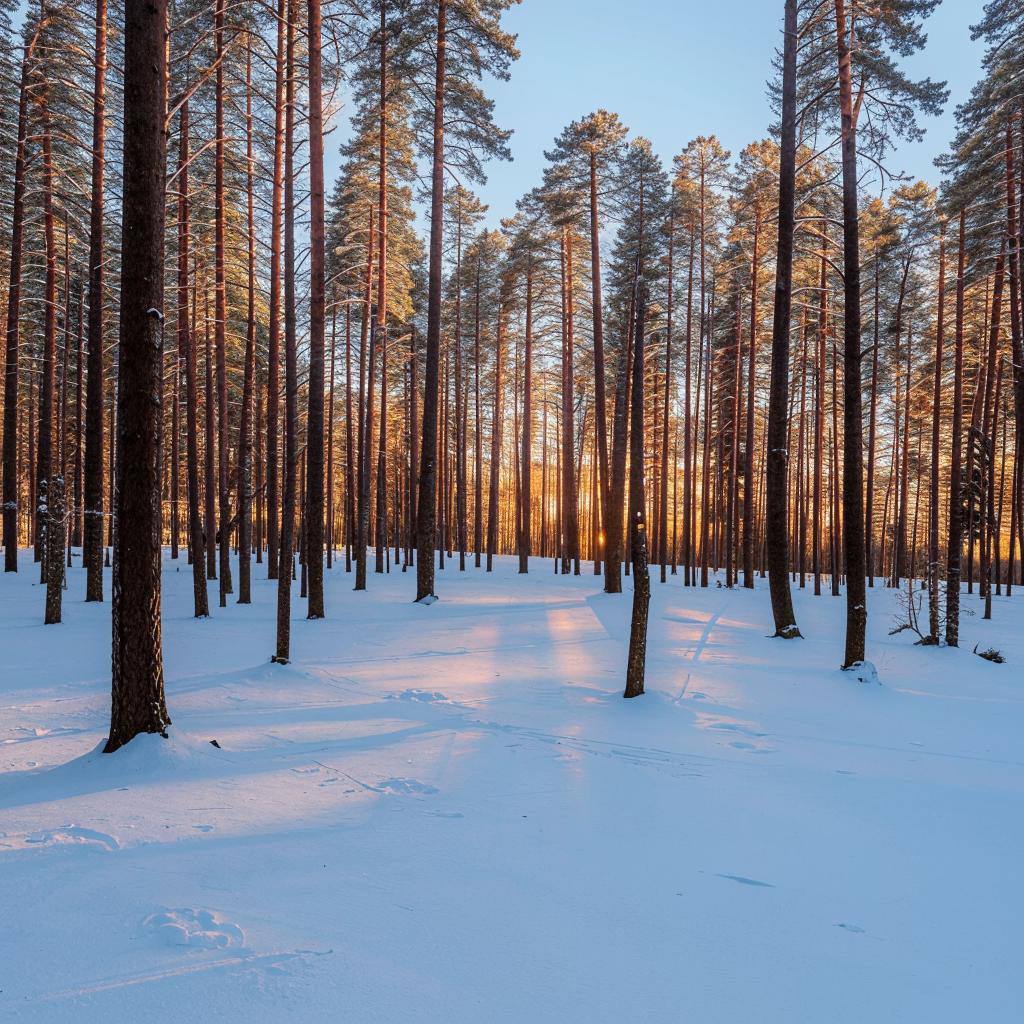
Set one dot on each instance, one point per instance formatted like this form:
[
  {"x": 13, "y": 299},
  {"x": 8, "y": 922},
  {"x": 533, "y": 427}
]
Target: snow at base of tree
[
  {"x": 863, "y": 672},
  {"x": 451, "y": 814}
]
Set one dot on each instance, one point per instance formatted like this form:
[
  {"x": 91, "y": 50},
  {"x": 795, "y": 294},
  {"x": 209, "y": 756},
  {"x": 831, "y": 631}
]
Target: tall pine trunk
[
  {"x": 495, "y": 465},
  {"x": 367, "y": 359},
  {"x": 413, "y": 444},
  {"x": 954, "y": 543},
  {"x": 869, "y": 514},
  {"x": 137, "y": 684},
  {"x": 688, "y": 446},
  {"x": 527, "y": 438},
  {"x": 1014, "y": 223},
  {"x": 478, "y": 437},
  {"x": 853, "y": 449},
  {"x": 933, "y": 489},
  {"x": 47, "y": 398},
  {"x": 461, "y": 510},
  {"x": 426, "y": 505},
  {"x": 249, "y": 371},
  {"x": 11, "y": 365},
  {"x": 291, "y": 385},
  {"x": 274, "y": 321},
  {"x": 221, "y": 312},
  {"x": 748, "y": 447},
  {"x": 637, "y": 657},
  {"x": 92, "y": 538},
  {"x": 76, "y": 529},
  {"x": 187, "y": 359},
  {"x": 380, "y": 533},
  {"x": 350, "y": 476},
  {"x": 600, "y": 396},
  {"x": 620, "y": 439},
  {"x": 776, "y": 487},
  {"x": 315, "y": 447},
  {"x": 900, "y": 561},
  {"x": 330, "y": 534},
  {"x": 663, "y": 499},
  {"x": 570, "y": 511},
  {"x": 734, "y": 431},
  {"x": 818, "y": 509},
  {"x": 986, "y": 440},
  {"x": 209, "y": 443}
]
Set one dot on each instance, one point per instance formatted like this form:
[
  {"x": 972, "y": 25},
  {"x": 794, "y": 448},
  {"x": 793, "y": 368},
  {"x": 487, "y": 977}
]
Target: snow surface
[{"x": 448, "y": 813}]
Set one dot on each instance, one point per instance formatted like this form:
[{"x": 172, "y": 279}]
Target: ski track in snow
[{"x": 448, "y": 813}]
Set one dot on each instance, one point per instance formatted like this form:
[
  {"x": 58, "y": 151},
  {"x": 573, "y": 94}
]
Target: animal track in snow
[
  {"x": 405, "y": 786},
  {"x": 194, "y": 928},
  {"x": 727, "y": 725},
  {"x": 423, "y": 696}
]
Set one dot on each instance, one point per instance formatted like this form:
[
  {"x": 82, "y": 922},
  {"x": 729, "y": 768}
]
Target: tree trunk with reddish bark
[{"x": 137, "y": 690}]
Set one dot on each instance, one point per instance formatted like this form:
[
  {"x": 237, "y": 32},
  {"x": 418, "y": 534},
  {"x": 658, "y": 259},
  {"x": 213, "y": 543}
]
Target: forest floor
[{"x": 448, "y": 813}]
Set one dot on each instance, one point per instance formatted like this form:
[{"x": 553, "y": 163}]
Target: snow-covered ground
[{"x": 449, "y": 813}]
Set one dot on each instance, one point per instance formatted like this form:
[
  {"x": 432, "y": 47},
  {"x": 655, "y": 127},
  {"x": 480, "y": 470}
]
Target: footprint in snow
[
  {"x": 423, "y": 696},
  {"x": 725, "y": 726},
  {"x": 753, "y": 748},
  {"x": 194, "y": 928},
  {"x": 406, "y": 786}
]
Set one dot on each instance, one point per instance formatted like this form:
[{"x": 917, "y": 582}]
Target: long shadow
[{"x": 95, "y": 772}]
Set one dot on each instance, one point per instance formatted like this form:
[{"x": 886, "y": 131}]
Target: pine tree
[
  {"x": 869, "y": 39},
  {"x": 138, "y": 703},
  {"x": 637, "y": 656},
  {"x": 465, "y": 41},
  {"x": 586, "y": 154},
  {"x": 13, "y": 339},
  {"x": 701, "y": 172},
  {"x": 776, "y": 513},
  {"x": 642, "y": 204}
]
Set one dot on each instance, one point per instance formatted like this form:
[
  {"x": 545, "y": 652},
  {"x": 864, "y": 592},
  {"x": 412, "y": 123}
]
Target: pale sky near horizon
[{"x": 675, "y": 69}]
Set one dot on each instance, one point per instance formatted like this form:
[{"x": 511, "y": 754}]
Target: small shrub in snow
[
  {"x": 990, "y": 654},
  {"x": 910, "y": 617}
]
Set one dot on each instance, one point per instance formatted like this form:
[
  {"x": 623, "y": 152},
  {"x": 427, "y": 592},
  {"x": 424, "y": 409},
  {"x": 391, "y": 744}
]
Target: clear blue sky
[{"x": 674, "y": 69}]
